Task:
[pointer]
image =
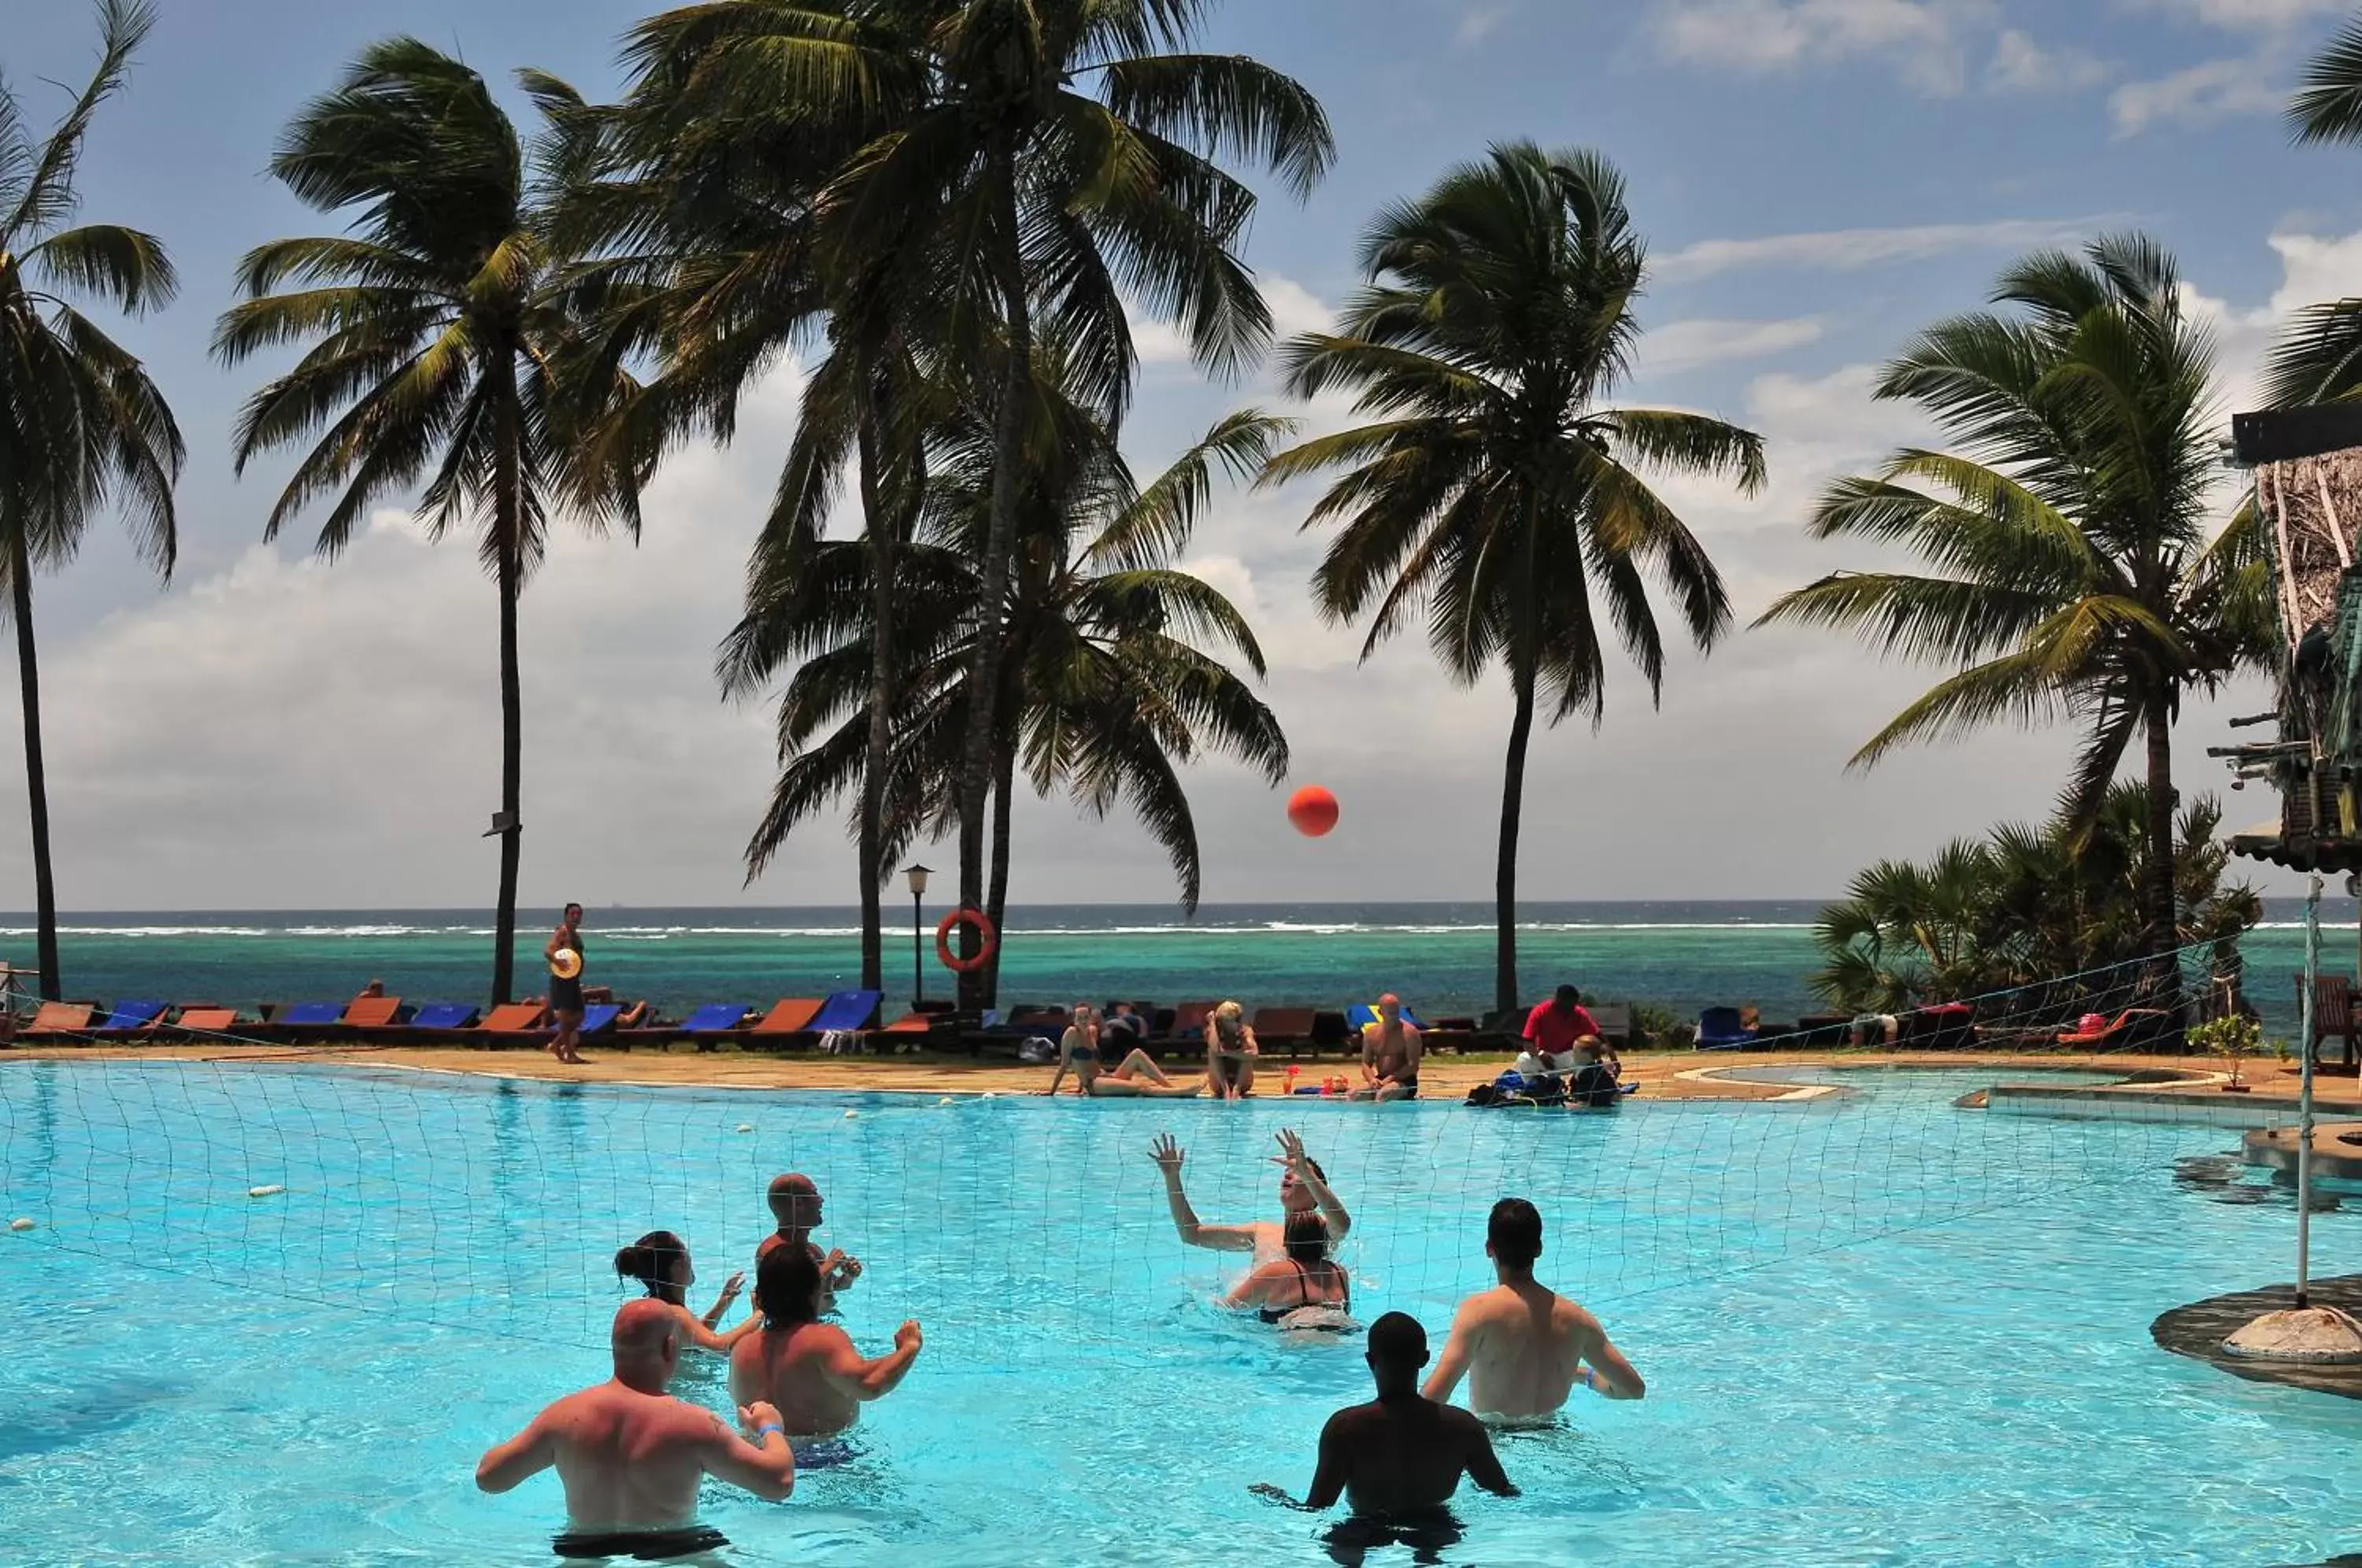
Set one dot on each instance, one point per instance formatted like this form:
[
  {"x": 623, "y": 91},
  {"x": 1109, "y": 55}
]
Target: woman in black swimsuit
[{"x": 1305, "y": 1289}]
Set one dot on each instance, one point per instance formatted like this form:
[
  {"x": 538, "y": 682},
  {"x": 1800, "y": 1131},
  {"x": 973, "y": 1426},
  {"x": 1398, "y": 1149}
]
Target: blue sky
[{"x": 1819, "y": 180}]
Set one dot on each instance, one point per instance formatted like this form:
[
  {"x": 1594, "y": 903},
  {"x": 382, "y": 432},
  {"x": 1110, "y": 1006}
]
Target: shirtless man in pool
[
  {"x": 631, "y": 1455},
  {"x": 1301, "y": 1187},
  {"x": 1522, "y": 1346}
]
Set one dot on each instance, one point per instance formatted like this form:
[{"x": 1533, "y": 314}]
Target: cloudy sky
[{"x": 1819, "y": 178}]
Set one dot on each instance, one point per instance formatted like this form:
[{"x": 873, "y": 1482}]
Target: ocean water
[
  {"x": 1877, "y": 1329},
  {"x": 1439, "y": 957}
]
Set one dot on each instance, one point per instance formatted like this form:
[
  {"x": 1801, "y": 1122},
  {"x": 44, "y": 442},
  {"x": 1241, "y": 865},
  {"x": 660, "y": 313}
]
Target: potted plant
[{"x": 2233, "y": 1039}]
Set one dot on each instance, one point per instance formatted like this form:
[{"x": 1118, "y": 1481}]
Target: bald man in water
[
  {"x": 796, "y": 1208},
  {"x": 631, "y": 1455},
  {"x": 1522, "y": 1346}
]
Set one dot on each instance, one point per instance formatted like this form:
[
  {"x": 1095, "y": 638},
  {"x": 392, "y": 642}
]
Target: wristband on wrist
[
  {"x": 1590, "y": 1380},
  {"x": 766, "y": 1428}
]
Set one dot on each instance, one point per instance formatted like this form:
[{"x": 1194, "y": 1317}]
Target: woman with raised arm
[{"x": 1302, "y": 1188}]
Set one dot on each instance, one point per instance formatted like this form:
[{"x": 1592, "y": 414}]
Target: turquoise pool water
[{"x": 1876, "y": 1330}]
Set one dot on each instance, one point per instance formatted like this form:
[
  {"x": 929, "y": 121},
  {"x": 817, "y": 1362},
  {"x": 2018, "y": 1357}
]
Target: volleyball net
[{"x": 1043, "y": 1228}]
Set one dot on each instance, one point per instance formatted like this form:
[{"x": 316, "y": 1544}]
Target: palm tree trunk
[
  {"x": 37, "y": 778},
  {"x": 508, "y": 518},
  {"x": 881, "y": 696},
  {"x": 1504, "y": 875},
  {"x": 1004, "y": 787},
  {"x": 2163, "y": 911},
  {"x": 992, "y": 572}
]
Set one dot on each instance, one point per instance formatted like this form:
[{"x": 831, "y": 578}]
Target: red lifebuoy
[{"x": 988, "y": 939}]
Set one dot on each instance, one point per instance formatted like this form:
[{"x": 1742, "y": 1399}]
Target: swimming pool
[{"x": 1876, "y": 1329}]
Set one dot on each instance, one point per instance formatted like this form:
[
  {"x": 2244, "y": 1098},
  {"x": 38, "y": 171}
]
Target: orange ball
[{"x": 1313, "y": 809}]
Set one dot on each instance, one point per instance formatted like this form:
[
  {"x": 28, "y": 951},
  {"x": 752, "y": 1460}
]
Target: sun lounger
[
  {"x": 1363, "y": 1014},
  {"x": 132, "y": 1017},
  {"x": 600, "y": 1016},
  {"x": 517, "y": 1023},
  {"x": 373, "y": 1013},
  {"x": 60, "y": 1020},
  {"x": 2086, "y": 1037},
  {"x": 206, "y": 1023},
  {"x": 1189, "y": 1024},
  {"x": 310, "y": 1015},
  {"x": 1615, "y": 1021},
  {"x": 847, "y": 1011},
  {"x": 787, "y": 1026},
  {"x": 1719, "y": 1029},
  {"x": 443, "y": 1015},
  {"x": 911, "y": 1026},
  {"x": 1283, "y": 1027},
  {"x": 716, "y": 1022}
]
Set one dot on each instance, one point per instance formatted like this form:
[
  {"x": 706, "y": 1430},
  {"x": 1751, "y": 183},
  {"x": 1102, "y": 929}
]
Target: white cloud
[
  {"x": 1837, "y": 250},
  {"x": 2021, "y": 65},
  {"x": 2249, "y": 16},
  {"x": 1293, "y": 309},
  {"x": 2216, "y": 90},
  {"x": 1482, "y": 20},
  {"x": 1685, "y": 344}
]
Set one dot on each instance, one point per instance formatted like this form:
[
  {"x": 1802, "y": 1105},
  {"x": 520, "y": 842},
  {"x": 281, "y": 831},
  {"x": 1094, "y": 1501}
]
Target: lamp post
[{"x": 918, "y": 876}]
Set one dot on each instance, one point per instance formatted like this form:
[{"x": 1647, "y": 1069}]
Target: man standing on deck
[
  {"x": 631, "y": 1455},
  {"x": 1302, "y": 1186},
  {"x": 1400, "y": 1457},
  {"x": 796, "y": 1206},
  {"x": 1523, "y": 1347},
  {"x": 565, "y": 989},
  {"x": 1390, "y": 1054}
]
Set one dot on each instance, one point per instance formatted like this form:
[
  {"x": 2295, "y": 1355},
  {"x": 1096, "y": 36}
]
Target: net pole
[{"x": 2304, "y": 1090}]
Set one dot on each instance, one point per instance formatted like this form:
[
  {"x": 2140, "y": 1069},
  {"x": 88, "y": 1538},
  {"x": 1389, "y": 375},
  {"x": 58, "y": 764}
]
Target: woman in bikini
[
  {"x": 1136, "y": 1075},
  {"x": 1306, "y": 1289},
  {"x": 1231, "y": 1053}
]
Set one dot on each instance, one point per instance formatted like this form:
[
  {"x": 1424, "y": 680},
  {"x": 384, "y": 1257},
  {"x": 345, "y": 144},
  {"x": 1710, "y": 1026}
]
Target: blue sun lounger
[
  {"x": 1363, "y": 1014},
  {"x": 847, "y": 1011},
  {"x": 1719, "y": 1029},
  {"x": 312, "y": 1015},
  {"x": 711, "y": 1022},
  {"x": 603, "y": 1016},
  {"x": 443, "y": 1015},
  {"x": 130, "y": 1016}
]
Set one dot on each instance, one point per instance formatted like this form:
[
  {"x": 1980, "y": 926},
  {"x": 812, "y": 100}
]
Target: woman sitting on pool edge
[
  {"x": 1306, "y": 1289},
  {"x": 659, "y": 1261},
  {"x": 1135, "y": 1075},
  {"x": 1231, "y": 1053}
]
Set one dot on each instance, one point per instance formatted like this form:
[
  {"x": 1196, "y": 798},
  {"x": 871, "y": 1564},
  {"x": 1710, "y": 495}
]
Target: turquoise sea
[{"x": 1438, "y": 957}]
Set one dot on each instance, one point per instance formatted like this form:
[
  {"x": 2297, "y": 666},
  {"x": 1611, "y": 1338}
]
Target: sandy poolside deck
[{"x": 1675, "y": 1075}]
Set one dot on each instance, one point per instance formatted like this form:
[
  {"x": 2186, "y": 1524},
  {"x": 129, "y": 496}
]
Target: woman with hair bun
[{"x": 659, "y": 1261}]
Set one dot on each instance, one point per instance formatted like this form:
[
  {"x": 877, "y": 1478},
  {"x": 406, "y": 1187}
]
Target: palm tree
[
  {"x": 1063, "y": 153},
  {"x": 2073, "y": 573},
  {"x": 81, "y": 424},
  {"x": 1108, "y": 688},
  {"x": 2319, "y": 357},
  {"x": 439, "y": 343},
  {"x": 2044, "y": 911},
  {"x": 1493, "y": 491}
]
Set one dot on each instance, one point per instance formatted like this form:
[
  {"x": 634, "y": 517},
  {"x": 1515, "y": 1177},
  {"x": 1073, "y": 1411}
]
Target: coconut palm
[
  {"x": 1495, "y": 492},
  {"x": 2054, "y": 912},
  {"x": 438, "y": 343},
  {"x": 2319, "y": 357},
  {"x": 715, "y": 224},
  {"x": 2074, "y": 574},
  {"x": 1109, "y": 688},
  {"x": 1064, "y": 152},
  {"x": 81, "y": 424}
]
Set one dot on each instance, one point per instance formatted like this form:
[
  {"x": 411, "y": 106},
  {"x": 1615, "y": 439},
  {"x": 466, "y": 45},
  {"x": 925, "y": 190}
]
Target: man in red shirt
[{"x": 1556, "y": 1027}]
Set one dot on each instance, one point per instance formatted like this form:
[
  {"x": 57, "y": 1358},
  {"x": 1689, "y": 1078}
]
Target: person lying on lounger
[
  {"x": 1135, "y": 1075},
  {"x": 1303, "y": 1189}
]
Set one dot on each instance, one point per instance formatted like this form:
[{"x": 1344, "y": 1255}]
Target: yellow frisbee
[{"x": 565, "y": 963}]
